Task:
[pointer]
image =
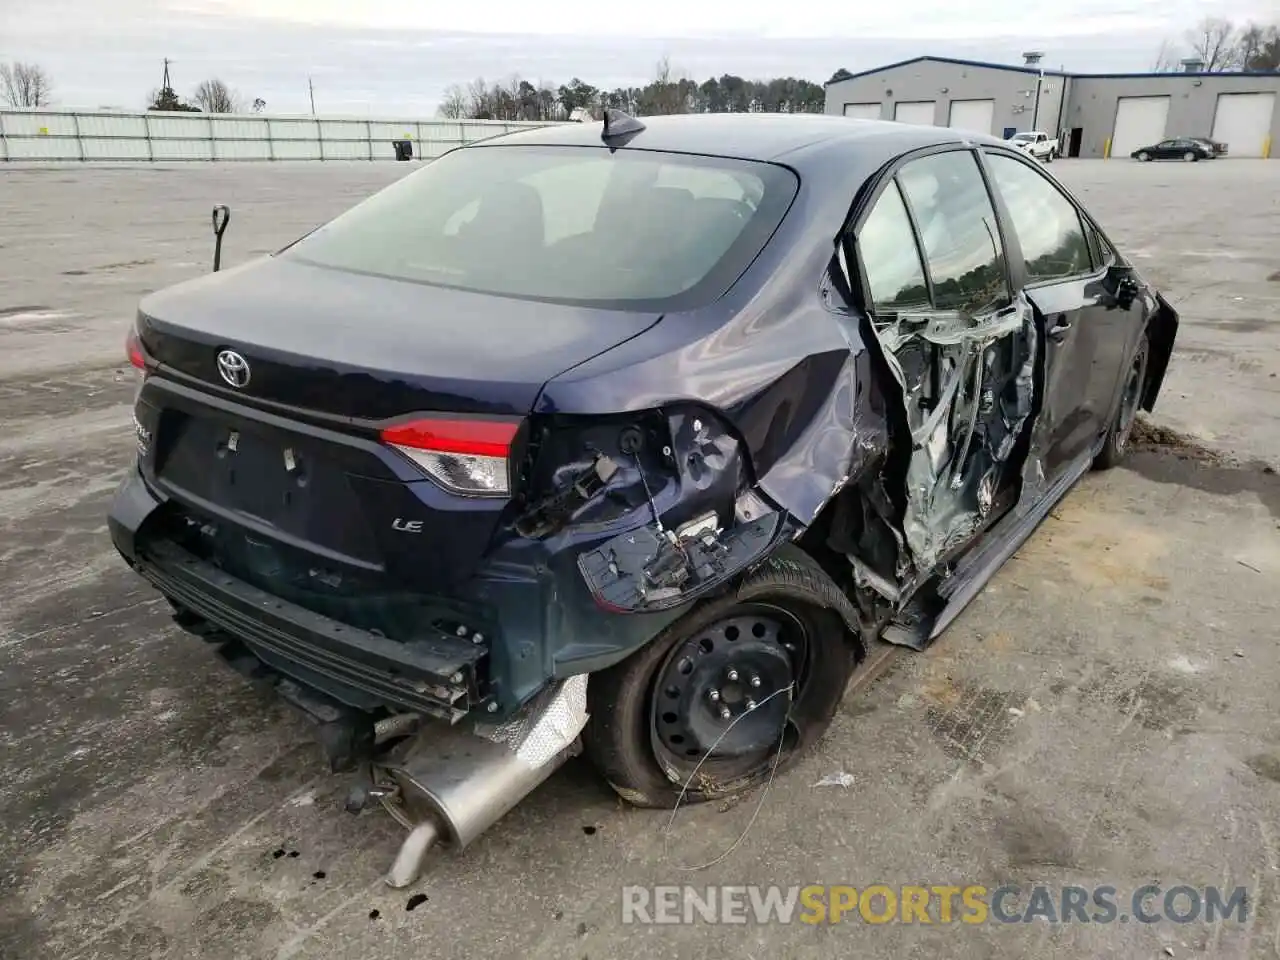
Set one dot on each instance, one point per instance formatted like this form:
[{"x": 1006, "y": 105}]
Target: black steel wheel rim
[
  {"x": 722, "y": 700},
  {"x": 1130, "y": 401}
]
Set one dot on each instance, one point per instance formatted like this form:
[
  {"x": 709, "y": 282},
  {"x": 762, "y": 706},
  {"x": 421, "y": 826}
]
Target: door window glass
[
  {"x": 1103, "y": 254},
  {"x": 959, "y": 231},
  {"x": 890, "y": 258},
  {"x": 1047, "y": 223}
]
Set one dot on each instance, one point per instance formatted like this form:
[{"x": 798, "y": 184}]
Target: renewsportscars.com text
[{"x": 941, "y": 904}]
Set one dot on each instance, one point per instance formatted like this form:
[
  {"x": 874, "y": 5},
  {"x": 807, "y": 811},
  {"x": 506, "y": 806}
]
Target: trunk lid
[
  {"x": 286, "y": 480},
  {"x": 370, "y": 348}
]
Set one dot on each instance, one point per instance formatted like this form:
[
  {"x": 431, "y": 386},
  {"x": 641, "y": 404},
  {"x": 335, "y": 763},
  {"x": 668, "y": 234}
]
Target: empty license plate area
[{"x": 242, "y": 467}]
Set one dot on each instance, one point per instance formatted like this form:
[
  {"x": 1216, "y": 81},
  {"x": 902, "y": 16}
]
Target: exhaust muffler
[{"x": 450, "y": 784}]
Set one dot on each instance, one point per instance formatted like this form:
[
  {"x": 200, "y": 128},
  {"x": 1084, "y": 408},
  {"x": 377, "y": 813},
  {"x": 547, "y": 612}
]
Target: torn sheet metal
[
  {"x": 547, "y": 726},
  {"x": 1034, "y": 481},
  {"x": 844, "y": 438},
  {"x": 968, "y": 387}
]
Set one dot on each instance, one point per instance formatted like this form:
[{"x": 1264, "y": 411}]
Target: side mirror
[{"x": 1123, "y": 286}]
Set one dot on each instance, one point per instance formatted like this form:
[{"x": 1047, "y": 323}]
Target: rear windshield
[{"x": 631, "y": 229}]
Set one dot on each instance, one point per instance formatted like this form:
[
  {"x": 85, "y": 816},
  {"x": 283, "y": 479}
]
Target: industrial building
[{"x": 1094, "y": 115}]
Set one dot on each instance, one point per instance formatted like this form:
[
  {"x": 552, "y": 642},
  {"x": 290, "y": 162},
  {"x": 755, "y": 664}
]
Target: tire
[
  {"x": 1144, "y": 156},
  {"x": 1116, "y": 444},
  {"x": 629, "y": 736},
  {"x": 1190, "y": 157}
]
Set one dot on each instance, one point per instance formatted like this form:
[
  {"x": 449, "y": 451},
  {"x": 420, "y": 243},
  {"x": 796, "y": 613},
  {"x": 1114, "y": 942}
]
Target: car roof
[{"x": 791, "y": 138}]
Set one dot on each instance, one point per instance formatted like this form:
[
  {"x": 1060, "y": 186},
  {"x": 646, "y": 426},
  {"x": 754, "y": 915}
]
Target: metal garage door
[
  {"x": 919, "y": 111},
  {"x": 1243, "y": 122},
  {"x": 862, "y": 111},
  {"x": 975, "y": 115},
  {"x": 1139, "y": 123}
]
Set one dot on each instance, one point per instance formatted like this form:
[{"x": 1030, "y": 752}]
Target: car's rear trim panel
[{"x": 439, "y": 678}]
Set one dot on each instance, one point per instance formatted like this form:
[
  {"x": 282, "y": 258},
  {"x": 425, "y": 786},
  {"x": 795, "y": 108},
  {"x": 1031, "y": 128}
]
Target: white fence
[{"x": 113, "y": 135}]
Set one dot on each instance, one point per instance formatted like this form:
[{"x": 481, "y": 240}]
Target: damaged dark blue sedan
[{"x": 627, "y": 438}]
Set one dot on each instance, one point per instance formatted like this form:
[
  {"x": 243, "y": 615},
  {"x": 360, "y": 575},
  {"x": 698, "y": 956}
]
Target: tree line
[
  {"x": 1219, "y": 45},
  {"x": 1222, "y": 45},
  {"x": 518, "y": 99},
  {"x": 211, "y": 96},
  {"x": 25, "y": 85},
  {"x": 28, "y": 85}
]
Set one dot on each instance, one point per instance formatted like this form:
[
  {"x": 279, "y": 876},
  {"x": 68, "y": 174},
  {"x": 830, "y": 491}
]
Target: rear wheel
[
  {"x": 1117, "y": 443},
  {"x": 719, "y": 700}
]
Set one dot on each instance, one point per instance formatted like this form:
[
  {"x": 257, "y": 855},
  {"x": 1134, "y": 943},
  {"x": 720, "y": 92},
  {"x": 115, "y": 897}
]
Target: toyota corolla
[{"x": 628, "y": 438}]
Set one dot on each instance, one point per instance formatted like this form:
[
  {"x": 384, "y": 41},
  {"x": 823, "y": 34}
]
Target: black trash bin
[{"x": 404, "y": 149}]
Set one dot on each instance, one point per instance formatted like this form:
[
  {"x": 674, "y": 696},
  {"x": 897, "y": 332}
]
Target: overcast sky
[{"x": 394, "y": 57}]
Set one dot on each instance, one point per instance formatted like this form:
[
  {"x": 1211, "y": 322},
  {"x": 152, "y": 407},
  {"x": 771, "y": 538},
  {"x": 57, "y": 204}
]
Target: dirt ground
[{"x": 1104, "y": 712}]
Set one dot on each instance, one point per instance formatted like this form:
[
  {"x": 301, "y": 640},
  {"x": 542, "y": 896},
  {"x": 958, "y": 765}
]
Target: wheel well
[{"x": 793, "y": 573}]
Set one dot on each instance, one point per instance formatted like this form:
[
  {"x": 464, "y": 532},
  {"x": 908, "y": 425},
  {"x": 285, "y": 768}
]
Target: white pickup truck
[{"x": 1036, "y": 143}]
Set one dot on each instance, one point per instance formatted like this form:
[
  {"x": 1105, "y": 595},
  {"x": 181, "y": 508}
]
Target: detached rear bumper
[{"x": 442, "y": 677}]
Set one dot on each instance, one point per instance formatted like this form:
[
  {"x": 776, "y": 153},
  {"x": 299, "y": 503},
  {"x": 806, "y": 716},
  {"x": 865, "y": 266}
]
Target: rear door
[
  {"x": 936, "y": 276},
  {"x": 1084, "y": 328}
]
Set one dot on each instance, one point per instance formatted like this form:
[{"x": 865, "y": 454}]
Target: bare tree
[
  {"x": 1213, "y": 41},
  {"x": 479, "y": 103},
  {"x": 214, "y": 96},
  {"x": 25, "y": 85},
  {"x": 1259, "y": 47},
  {"x": 668, "y": 91},
  {"x": 453, "y": 105},
  {"x": 1167, "y": 59}
]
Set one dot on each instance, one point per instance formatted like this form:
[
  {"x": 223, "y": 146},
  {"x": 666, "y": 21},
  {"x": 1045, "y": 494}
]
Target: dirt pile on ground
[{"x": 1161, "y": 439}]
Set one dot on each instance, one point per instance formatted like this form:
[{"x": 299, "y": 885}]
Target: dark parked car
[
  {"x": 1182, "y": 148},
  {"x": 697, "y": 406},
  {"x": 1216, "y": 147}
]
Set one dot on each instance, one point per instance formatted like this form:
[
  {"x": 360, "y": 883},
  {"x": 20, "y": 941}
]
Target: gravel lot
[{"x": 1104, "y": 713}]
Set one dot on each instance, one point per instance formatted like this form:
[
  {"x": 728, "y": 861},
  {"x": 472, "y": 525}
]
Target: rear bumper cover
[
  {"x": 440, "y": 678},
  {"x": 542, "y": 619}
]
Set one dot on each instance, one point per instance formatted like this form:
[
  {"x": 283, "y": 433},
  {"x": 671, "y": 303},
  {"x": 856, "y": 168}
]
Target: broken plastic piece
[
  {"x": 838, "y": 779},
  {"x": 646, "y": 570},
  {"x": 708, "y": 522}
]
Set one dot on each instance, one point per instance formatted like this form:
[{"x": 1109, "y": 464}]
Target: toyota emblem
[{"x": 234, "y": 368}]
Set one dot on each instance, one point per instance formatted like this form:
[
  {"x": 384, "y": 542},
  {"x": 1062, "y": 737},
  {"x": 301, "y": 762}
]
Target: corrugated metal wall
[{"x": 112, "y": 135}]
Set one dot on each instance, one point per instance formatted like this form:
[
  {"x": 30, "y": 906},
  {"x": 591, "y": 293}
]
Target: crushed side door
[
  {"x": 962, "y": 349},
  {"x": 967, "y": 390}
]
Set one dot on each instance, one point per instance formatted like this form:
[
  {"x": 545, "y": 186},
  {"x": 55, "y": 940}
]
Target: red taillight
[
  {"x": 481, "y": 438},
  {"x": 467, "y": 457},
  {"x": 133, "y": 347}
]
